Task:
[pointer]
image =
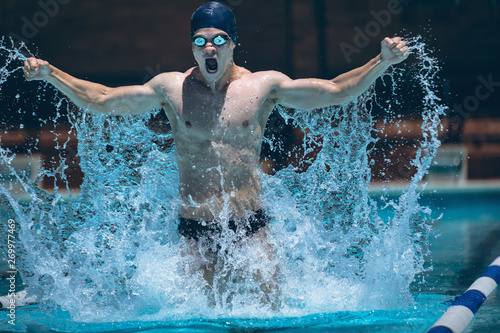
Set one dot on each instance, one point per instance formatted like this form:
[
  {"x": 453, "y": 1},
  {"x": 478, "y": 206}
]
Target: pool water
[
  {"x": 346, "y": 261},
  {"x": 467, "y": 240},
  {"x": 463, "y": 243}
]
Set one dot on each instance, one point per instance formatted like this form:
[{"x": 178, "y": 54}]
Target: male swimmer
[{"x": 218, "y": 112}]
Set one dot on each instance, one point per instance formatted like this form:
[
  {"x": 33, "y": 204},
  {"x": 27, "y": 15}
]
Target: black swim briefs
[{"x": 195, "y": 229}]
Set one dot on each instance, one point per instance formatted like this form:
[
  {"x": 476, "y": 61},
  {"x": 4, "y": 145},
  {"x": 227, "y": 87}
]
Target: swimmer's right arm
[{"x": 93, "y": 96}]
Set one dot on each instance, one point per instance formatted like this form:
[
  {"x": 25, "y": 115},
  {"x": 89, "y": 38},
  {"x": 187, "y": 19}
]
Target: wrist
[
  {"x": 52, "y": 73},
  {"x": 382, "y": 61}
]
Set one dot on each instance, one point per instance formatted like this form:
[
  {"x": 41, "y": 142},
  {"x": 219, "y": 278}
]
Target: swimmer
[{"x": 218, "y": 112}]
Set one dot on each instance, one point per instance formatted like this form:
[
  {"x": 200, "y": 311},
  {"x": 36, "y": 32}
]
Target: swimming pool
[
  {"x": 347, "y": 262},
  {"x": 468, "y": 240},
  {"x": 463, "y": 243}
]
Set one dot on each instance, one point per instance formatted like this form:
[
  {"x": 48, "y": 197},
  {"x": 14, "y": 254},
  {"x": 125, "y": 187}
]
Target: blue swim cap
[{"x": 214, "y": 15}]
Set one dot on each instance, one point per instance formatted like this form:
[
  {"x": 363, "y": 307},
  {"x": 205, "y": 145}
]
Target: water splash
[
  {"x": 112, "y": 253},
  {"x": 11, "y": 54}
]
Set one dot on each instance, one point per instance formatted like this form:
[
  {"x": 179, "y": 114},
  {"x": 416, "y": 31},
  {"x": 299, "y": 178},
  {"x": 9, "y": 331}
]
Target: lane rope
[{"x": 462, "y": 309}]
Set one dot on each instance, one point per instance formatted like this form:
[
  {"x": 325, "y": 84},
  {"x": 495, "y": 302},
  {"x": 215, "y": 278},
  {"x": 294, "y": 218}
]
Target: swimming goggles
[{"x": 217, "y": 41}]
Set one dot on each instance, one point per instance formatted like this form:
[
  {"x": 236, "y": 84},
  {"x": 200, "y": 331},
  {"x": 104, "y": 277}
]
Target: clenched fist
[
  {"x": 394, "y": 50},
  {"x": 36, "y": 69}
]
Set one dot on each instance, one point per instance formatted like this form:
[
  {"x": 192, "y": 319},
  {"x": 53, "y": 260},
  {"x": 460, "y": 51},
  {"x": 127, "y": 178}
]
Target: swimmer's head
[{"x": 214, "y": 15}]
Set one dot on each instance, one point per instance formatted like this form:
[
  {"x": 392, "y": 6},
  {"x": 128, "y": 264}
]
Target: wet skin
[
  {"x": 218, "y": 115},
  {"x": 218, "y": 112}
]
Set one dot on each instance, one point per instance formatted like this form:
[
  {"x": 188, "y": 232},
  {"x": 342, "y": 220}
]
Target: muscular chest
[{"x": 227, "y": 115}]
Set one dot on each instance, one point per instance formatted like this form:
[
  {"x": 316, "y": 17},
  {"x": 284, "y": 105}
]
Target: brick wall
[
  {"x": 123, "y": 38},
  {"x": 129, "y": 41}
]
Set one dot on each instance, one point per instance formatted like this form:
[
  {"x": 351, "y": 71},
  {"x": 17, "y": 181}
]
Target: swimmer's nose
[
  {"x": 210, "y": 47},
  {"x": 209, "y": 50}
]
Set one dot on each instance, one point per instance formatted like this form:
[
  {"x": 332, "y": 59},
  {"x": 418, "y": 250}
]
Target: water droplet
[{"x": 136, "y": 164}]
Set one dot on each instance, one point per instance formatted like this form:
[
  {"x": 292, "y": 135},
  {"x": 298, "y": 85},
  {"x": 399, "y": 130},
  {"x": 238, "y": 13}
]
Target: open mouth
[{"x": 211, "y": 64}]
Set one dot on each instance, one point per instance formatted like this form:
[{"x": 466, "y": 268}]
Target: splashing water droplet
[{"x": 113, "y": 252}]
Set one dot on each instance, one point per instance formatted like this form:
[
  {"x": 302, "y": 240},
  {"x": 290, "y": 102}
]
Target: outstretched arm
[
  {"x": 93, "y": 96},
  {"x": 317, "y": 93}
]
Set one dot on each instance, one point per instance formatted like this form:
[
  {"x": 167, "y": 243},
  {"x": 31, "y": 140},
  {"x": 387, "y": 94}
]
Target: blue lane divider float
[{"x": 463, "y": 308}]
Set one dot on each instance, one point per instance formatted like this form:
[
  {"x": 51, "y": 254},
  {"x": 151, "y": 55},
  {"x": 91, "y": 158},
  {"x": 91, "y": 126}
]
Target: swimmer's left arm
[{"x": 317, "y": 93}]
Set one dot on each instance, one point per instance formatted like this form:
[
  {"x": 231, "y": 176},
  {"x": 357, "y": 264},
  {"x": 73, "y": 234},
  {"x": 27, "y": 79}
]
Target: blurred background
[{"x": 129, "y": 41}]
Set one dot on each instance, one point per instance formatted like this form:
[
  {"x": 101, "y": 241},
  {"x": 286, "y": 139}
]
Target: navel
[
  {"x": 245, "y": 123},
  {"x": 188, "y": 124}
]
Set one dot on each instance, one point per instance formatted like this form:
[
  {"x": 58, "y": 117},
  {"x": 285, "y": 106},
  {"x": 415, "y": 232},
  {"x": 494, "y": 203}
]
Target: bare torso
[{"x": 218, "y": 136}]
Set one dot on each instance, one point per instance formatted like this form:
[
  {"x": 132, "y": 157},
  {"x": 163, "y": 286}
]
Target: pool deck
[
  {"x": 469, "y": 186},
  {"x": 435, "y": 187}
]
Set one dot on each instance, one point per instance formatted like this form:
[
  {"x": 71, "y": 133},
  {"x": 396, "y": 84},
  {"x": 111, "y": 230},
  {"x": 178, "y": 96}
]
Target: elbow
[
  {"x": 336, "y": 95},
  {"x": 100, "y": 102},
  {"x": 342, "y": 94},
  {"x": 101, "y": 98}
]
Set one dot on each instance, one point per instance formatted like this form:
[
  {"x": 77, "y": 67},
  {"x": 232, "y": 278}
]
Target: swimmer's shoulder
[
  {"x": 270, "y": 76},
  {"x": 167, "y": 83},
  {"x": 168, "y": 78},
  {"x": 270, "y": 80}
]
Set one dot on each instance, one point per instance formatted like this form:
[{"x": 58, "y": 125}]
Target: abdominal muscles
[{"x": 218, "y": 181}]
